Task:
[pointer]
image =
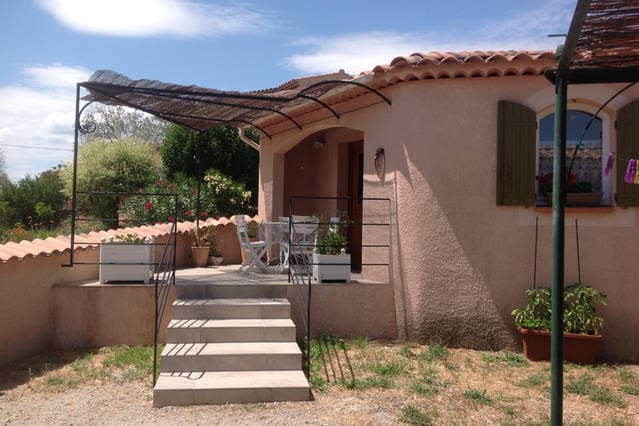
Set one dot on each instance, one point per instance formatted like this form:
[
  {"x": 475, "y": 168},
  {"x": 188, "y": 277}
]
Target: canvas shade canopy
[{"x": 201, "y": 109}]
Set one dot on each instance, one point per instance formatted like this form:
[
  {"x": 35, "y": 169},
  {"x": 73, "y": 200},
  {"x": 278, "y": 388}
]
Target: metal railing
[
  {"x": 301, "y": 264},
  {"x": 163, "y": 274}
]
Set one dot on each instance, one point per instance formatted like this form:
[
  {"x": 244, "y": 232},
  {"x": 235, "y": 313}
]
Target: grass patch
[
  {"x": 626, "y": 375},
  {"x": 631, "y": 389},
  {"x": 511, "y": 359},
  {"x": 478, "y": 396},
  {"x": 318, "y": 383},
  {"x": 414, "y": 416},
  {"x": 359, "y": 342},
  {"x": 434, "y": 352},
  {"x": 584, "y": 385},
  {"x": 406, "y": 351},
  {"x": 510, "y": 411},
  {"x": 387, "y": 369},
  {"x": 427, "y": 384},
  {"x": 532, "y": 380}
]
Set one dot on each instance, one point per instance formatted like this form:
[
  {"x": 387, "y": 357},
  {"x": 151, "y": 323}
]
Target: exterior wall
[{"x": 460, "y": 262}]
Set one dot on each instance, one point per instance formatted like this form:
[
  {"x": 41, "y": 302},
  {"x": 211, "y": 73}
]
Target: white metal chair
[
  {"x": 301, "y": 238},
  {"x": 253, "y": 250}
]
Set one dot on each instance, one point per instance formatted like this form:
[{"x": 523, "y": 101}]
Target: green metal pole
[{"x": 558, "y": 225}]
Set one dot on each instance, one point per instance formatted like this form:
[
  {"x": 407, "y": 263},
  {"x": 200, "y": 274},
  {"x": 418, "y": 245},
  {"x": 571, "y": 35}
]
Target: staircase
[{"x": 230, "y": 343}]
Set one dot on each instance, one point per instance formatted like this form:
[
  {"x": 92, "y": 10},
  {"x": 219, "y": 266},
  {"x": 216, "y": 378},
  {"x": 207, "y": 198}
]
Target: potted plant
[
  {"x": 200, "y": 247},
  {"x": 215, "y": 253},
  {"x": 330, "y": 260},
  {"x": 126, "y": 258},
  {"x": 582, "y": 324},
  {"x": 579, "y": 193}
]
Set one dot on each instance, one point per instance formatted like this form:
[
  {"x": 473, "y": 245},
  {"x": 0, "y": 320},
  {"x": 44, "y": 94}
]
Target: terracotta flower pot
[
  {"x": 200, "y": 256},
  {"x": 578, "y": 348}
]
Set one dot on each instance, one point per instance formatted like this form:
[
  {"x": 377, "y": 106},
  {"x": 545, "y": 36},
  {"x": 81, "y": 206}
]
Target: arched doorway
[{"x": 328, "y": 167}]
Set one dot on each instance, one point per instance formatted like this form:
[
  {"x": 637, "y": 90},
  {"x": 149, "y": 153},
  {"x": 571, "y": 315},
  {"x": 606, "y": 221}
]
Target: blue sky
[{"x": 48, "y": 45}]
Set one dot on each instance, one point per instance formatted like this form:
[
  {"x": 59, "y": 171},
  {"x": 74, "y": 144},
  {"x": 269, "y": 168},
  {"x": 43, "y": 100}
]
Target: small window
[{"x": 586, "y": 183}]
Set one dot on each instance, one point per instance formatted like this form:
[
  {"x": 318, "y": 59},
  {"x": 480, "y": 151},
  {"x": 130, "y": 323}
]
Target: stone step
[
  {"x": 230, "y": 330},
  {"x": 221, "y": 387},
  {"x": 206, "y": 290},
  {"x": 237, "y": 356},
  {"x": 231, "y": 308}
]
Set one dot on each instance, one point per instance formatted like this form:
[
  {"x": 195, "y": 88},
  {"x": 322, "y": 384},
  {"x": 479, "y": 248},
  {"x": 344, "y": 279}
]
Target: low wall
[
  {"x": 347, "y": 310},
  {"x": 92, "y": 315},
  {"x": 35, "y": 313}
]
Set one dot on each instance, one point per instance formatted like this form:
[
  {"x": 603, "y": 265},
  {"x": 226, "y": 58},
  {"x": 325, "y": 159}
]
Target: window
[
  {"x": 524, "y": 155},
  {"x": 586, "y": 184}
]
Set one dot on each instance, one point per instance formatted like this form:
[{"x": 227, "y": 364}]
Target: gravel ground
[
  {"x": 459, "y": 386},
  {"x": 131, "y": 403}
]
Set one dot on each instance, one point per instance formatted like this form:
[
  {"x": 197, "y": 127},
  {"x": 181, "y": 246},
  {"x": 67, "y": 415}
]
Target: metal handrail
[{"x": 305, "y": 265}]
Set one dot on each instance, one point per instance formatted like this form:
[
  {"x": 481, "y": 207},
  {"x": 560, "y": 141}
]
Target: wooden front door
[{"x": 356, "y": 192}]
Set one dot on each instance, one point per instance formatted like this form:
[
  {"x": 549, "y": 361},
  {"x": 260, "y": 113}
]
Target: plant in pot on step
[
  {"x": 215, "y": 252},
  {"x": 582, "y": 324},
  {"x": 200, "y": 245},
  {"x": 330, "y": 260}
]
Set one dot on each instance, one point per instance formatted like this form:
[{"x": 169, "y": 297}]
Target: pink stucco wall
[{"x": 460, "y": 263}]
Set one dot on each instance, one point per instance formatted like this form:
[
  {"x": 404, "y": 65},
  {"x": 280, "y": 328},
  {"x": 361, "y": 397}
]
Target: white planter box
[
  {"x": 121, "y": 255},
  {"x": 327, "y": 267}
]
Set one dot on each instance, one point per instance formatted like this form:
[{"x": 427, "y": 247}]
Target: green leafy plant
[
  {"x": 580, "y": 313},
  {"x": 130, "y": 238},
  {"x": 330, "y": 237}
]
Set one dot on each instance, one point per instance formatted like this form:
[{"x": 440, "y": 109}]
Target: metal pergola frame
[{"x": 569, "y": 73}]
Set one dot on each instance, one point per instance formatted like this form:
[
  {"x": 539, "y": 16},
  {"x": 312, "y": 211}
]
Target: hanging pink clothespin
[
  {"x": 631, "y": 171},
  {"x": 609, "y": 164}
]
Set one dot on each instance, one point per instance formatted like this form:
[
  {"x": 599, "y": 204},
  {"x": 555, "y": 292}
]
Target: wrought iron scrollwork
[{"x": 88, "y": 126}]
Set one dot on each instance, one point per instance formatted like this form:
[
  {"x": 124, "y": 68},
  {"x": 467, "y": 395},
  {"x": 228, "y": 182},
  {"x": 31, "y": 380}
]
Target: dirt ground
[{"x": 449, "y": 386}]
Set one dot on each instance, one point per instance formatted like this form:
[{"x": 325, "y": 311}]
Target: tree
[
  {"x": 34, "y": 202},
  {"x": 117, "y": 122},
  {"x": 122, "y": 165},
  {"x": 192, "y": 153},
  {"x": 4, "y": 179}
]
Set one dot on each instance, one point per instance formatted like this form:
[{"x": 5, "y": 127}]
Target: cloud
[
  {"x": 39, "y": 111},
  {"x": 356, "y": 52},
  {"x": 149, "y": 18}
]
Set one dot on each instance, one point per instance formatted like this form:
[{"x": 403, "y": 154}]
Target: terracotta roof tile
[{"x": 60, "y": 244}]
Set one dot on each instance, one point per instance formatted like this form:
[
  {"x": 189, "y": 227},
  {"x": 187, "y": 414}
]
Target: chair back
[{"x": 242, "y": 231}]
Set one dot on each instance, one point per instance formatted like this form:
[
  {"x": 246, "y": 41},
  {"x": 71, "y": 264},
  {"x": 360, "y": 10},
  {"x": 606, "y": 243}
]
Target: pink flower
[
  {"x": 122, "y": 197},
  {"x": 170, "y": 219},
  {"x": 204, "y": 214},
  {"x": 118, "y": 205},
  {"x": 189, "y": 213},
  {"x": 170, "y": 186},
  {"x": 148, "y": 205},
  {"x": 159, "y": 182},
  {"x": 193, "y": 192},
  {"x": 159, "y": 222}
]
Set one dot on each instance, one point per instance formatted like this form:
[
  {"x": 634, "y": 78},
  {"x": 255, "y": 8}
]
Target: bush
[
  {"x": 219, "y": 196},
  {"x": 219, "y": 148},
  {"x": 33, "y": 202},
  {"x": 123, "y": 165}
]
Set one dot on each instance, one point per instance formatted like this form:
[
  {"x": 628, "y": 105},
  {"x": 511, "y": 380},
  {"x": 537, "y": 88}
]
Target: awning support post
[{"x": 558, "y": 229}]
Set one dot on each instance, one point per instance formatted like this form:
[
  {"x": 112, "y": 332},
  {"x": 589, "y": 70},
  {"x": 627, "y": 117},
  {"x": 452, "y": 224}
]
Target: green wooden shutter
[
  {"x": 516, "y": 152},
  {"x": 627, "y": 147}
]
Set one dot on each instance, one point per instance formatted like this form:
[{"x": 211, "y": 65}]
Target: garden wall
[{"x": 44, "y": 305}]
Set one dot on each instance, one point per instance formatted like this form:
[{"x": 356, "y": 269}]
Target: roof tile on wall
[{"x": 60, "y": 244}]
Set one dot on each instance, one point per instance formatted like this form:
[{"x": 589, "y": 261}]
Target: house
[
  {"x": 442, "y": 158},
  {"x": 464, "y": 139}
]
